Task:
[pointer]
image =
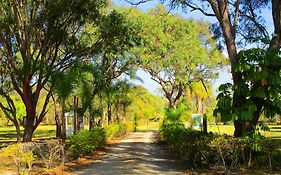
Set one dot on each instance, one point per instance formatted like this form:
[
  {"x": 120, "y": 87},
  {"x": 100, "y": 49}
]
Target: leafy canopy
[{"x": 260, "y": 85}]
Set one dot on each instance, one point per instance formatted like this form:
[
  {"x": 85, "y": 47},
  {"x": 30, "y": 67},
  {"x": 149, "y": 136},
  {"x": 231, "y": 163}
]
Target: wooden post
[
  {"x": 205, "y": 129},
  {"x": 63, "y": 131},
  {"x": 75, "y": 115},
  {"x": 78, "y": 119}
]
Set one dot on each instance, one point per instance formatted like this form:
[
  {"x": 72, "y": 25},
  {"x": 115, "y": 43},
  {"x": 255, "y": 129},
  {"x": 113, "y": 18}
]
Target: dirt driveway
[{"x": 136, "y": 154}]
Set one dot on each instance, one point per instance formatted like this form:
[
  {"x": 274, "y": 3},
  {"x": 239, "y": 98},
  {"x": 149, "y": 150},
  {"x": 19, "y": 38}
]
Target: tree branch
[
  {"x": 138, "y": 2},
  {"x": 237, "y": 3},
  {"x": 196, "y": 8}
]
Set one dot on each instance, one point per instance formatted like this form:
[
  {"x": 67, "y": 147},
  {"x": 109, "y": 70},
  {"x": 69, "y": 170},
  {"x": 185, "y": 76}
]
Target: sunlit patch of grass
[
  {"x": 221, "y": 129},
  {"x": 275, "y": 130},
  {"x": 8, "y": 133},
  {"x": 150, "y": 126}
]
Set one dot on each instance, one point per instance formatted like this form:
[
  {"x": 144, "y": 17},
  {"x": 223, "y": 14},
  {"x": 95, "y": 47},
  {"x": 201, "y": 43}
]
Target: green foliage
[
  {"x": 168, "y": 44},
  {"x": 206, "y": 149},
  {"x": 53, "y": 37},
  {"x": 19, "y": 105},
  {"x": 145, "y": 106},
  {"x": 260, "y": 87},
  {"x": 178, "y": 114},
  {"x": 193, "y": 146},
  {"x": 85, "y": 142},
  {"x": 117, "y": 130},
  {"x": 22, "y": 157}
]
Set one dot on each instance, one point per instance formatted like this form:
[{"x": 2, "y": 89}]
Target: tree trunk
[
  {"x": 171, "y": 101},
  {"x": 75, "y": 118},
  {"x": 242, "y": 127},
  {"x": 203, "y": 109},
  {"x": 29, "y": 127},
  {"x": 117, "y": 112},
  {"x": 124, "y": 113},
  {"x": 92, "y": 122},
  {"x": 222, "y": 13},
  {"x": 57, "y": 118},
  {"x": 63, "y": 131},
  {"x": 102, "y": 123},
  {"x": 58, "y": 125},
  {"x": 276, "y": 15},
  {"x": 18, "y": 132},
  {"x": 109, "y": 114}
]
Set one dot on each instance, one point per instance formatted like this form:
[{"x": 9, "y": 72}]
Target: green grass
[
  {"x": 42, "y": 132},
  {"x": 221, "y": 129},
  {"x": 150, "y": 126},
  {"x": 48, "y": 131},
  {"x": 275, "y": 130}
]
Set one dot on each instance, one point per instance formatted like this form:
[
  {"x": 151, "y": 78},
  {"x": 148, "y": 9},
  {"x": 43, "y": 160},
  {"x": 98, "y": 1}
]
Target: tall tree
[
  {"x": 240, "y": 20},
  {"x": 145, "y": 106},
  {"x": 38, "y": 38},
  {"x": 119, "y": 36},
  {"x": 175, "y": 51}
]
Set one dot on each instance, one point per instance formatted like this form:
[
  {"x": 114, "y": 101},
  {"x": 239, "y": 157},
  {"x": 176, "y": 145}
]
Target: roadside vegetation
[{"x": 67, "y": 67}]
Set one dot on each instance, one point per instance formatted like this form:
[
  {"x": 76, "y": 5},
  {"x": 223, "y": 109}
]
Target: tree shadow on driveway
[{"x": 136, "y": 154}]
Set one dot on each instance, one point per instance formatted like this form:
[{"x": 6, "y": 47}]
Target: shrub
[
  {"x": 22, "y": 156},
  {"x": 130, "y": 126},
  {"x": 228, "y": 151},
  {"x": 205, "y": 149},
  {"x": 192, "y": 146},
  {"x": 51, "y": 153},
  {"x": 117, "y": 130},
  {"x": 83, "y": 143}
]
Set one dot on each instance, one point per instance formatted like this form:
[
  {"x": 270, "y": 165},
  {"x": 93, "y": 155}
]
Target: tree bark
[
  {"x": 242, "y": 127},
  {"x": 276, "y": 15},
  {"x": 18, "y": 133},
  {"x": 109, "y": 114},
  {"x": 117, "y": 112},
  {"x": 221, "y": 11},
  {"x": 203, "y": 110},
  {"x": 75, "y": 118},
  {"x": 91, "y": 122},
  {"x": 171, "y": 100},
  {"x": 228, "y": 25},
  {"x": 63, "y": 131},
  {"x": 29, "y": 127},
  {"x": 57, "y": 118},
  {"x": 124, "y": 113}
]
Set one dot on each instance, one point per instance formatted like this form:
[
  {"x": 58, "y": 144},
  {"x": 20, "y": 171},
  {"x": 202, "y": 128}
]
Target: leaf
[{"x": 263, "y": 82}]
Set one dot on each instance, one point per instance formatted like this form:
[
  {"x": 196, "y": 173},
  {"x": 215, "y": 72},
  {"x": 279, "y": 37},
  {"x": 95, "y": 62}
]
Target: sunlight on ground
[
  {"x": 42, "y": 132},
  {"x": 150, "y": 126},
  {"x": 221, "y": 129}
]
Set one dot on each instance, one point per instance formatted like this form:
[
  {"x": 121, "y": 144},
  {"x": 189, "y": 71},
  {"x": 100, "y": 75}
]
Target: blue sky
[{"x": 224, "y": 75}]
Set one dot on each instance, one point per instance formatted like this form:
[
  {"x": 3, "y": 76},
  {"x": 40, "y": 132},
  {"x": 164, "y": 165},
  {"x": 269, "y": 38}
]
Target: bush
[
  {"x": 21, "y": 154},
  {"x": 228, "y": 151},
  {"x": 192, "y": 146},
  {"x": 83, "y": 143},
  {"x": 206, "y": 149},
  {"x": 51, "y": 153},
  {"x": 117, "y": 130}
]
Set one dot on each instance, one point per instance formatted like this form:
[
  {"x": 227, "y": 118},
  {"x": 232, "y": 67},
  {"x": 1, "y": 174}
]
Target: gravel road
[{"x": 136, "y": 154}]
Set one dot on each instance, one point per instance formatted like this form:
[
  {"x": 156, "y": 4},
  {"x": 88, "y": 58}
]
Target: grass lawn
[
  {"x": 42, "y": 132},
  {"x": 150, "y": 126},
  {"x": 221, "y": 129},
  {"x": 275, "y": 130},
  {"x": 49, "y": 131}
]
